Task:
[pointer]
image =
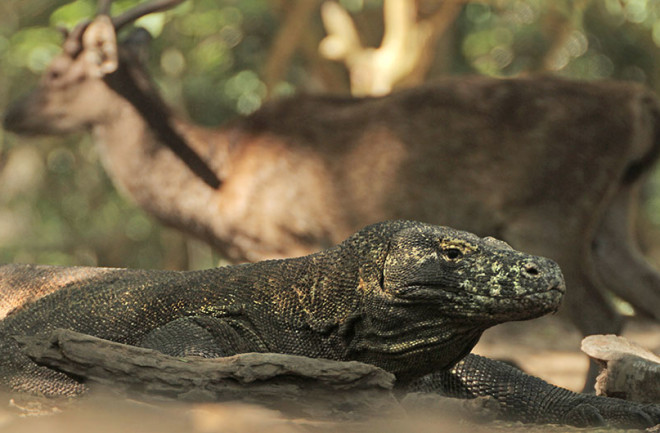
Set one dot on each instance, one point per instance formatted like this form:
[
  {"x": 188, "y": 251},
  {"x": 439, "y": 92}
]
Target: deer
[{"x": 553, "y": 167}]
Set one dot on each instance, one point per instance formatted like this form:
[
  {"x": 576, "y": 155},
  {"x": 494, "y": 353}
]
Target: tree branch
[
  {"x": 294, "y": 384},
  {"x": 287, "y": 41}
]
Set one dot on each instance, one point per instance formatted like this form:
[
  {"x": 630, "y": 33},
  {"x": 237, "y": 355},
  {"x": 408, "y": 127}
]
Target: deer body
[{"x": 550, "y": 166}]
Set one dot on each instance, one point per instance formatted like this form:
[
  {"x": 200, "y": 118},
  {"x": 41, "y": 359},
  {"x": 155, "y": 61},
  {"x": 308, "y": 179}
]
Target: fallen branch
[{"x": 294, "y": 384}]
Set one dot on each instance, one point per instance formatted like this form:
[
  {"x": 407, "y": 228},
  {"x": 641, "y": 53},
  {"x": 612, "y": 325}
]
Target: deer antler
[
  {"x": 142, "y": 10},
  {"x": 72, "y": 44},
  {"x": 103, "y": 7},
  {"x": 375, "y": 70}
]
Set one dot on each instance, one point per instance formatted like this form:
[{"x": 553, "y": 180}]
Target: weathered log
[
  {"x": 296, "y": 385},
  {"x": 629, "y": 371}
]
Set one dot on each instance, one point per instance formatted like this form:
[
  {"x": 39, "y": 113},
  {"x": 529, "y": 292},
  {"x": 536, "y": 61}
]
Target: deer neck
[{"x": 143, "y": 165}]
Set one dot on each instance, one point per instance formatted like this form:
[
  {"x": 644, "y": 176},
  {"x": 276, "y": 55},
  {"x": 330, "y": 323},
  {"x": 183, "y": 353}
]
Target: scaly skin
[
  {"x": 411, "y": 298},
  {"x": 529, "y": 399}
]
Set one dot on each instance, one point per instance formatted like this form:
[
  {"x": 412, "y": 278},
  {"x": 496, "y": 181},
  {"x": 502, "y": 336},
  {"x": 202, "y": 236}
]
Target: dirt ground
[
  {"x": 130, "y": 417},
  {"x": 546, "y": 347}
]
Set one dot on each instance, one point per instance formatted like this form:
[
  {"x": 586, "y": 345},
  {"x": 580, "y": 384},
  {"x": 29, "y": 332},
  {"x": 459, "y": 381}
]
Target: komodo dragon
[{"x": 408, "y": 297}]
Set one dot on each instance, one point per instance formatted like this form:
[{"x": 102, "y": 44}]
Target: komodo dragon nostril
[{"x": 532, "y": 269}]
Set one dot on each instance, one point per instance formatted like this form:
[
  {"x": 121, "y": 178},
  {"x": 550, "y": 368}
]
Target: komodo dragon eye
[{"x": 452, "y": 253}]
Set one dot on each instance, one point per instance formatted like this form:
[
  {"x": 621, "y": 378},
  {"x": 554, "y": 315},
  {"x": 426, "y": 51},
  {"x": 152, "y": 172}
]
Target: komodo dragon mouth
[
  {"x": 428, "y": 292},
  {"x": 489, "y": 299}
]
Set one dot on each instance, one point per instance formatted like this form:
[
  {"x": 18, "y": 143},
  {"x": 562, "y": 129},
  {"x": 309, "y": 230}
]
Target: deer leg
[
  {"x": 618, "y": 260},
  {"x": 590, "y": 309},
  {"x": 586, "y": 302}
]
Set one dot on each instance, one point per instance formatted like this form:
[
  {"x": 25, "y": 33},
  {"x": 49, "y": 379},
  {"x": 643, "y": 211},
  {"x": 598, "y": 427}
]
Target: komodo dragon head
[{"x": 438, "y": 289}]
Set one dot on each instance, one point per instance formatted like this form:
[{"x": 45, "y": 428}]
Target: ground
[{"x": 544, "y": 347}]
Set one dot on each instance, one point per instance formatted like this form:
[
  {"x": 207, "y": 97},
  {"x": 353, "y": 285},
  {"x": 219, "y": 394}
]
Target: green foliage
[
  {"x": 71, "y": 14},
  {"x": 58, "y": 206}
]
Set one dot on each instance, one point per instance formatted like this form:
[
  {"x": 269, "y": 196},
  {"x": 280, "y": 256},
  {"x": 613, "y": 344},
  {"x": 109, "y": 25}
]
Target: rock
[{"x": 630, "y": 371}]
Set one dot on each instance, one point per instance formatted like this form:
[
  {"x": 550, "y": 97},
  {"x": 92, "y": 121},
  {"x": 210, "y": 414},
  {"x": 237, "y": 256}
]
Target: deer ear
[
  {"x": 100, "y": 47},
  {"x": 137, "y": 43}
]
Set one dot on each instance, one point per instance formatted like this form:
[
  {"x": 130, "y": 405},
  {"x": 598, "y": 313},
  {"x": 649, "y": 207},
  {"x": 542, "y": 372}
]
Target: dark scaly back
[
  {"x": 309, "y": 305},
  {"x": 107, "y": 305},
  {"x": 279, "y": 298},
  {"x": 334, "y": 291}
]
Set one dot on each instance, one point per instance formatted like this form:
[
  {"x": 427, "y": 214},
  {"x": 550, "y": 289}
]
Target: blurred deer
[{"x": 553, "y": 167}]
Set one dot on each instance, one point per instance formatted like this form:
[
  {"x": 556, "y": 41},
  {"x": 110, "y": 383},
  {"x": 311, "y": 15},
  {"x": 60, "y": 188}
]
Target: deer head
[
  {"x": 93, "y": 76},
  {"x": 73, "y": 93}
]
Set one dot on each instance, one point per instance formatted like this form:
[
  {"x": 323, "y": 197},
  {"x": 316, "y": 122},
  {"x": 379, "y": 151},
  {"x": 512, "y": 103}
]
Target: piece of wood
[
  {"x": 296, "y": 385},
  {"x": 629, "y": 371}
]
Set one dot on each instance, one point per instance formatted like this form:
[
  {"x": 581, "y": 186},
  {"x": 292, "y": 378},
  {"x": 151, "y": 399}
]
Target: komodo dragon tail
[{"x": 22, "y": 284}]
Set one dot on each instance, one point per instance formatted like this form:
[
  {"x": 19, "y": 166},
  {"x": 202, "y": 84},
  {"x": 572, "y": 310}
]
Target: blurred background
[{"x": 217, "y": 59}]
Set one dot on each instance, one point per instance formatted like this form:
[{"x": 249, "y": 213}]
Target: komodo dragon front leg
[
  {"x": 529, "y": 399},
  {"x": 205, "y": 336}
]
